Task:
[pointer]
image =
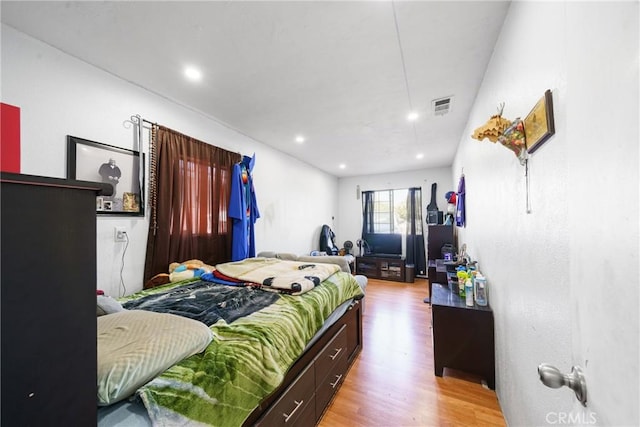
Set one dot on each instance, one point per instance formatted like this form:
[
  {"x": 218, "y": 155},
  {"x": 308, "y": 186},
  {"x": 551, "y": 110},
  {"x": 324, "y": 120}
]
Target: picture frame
[
  {"x": 94, "y": 161},
  {"x": 539, "y": 124}
]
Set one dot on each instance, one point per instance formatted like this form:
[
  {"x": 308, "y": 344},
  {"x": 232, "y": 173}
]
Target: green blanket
[{"x": 245, "y": 362}]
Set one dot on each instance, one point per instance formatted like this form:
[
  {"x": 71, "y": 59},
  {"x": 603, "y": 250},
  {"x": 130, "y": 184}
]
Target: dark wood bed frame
[
  {"x": 37, "y": 215},
  {"x": 314, "y": 379}
]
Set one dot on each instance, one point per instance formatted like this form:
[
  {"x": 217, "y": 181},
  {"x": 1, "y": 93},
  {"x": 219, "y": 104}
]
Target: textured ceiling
[{"x": 331, "y": 71}]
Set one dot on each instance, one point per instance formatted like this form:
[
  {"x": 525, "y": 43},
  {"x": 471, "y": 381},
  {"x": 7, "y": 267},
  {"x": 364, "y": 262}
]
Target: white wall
[
  {"x": 603, "y": 158},
  {"x": 59, "y": 95},
  {"x": 564, "y": 278},
  {"x": 350, "y": 207}
]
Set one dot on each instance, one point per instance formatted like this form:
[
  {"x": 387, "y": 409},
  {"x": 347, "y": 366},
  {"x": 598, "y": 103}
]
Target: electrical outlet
[{"x": 119, "y": 234}]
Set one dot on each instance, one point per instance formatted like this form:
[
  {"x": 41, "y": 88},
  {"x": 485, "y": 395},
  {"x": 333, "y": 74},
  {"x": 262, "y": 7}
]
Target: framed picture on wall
[
  {"x": 538, "y": 125},
  {"x": 122, "y": 168}
]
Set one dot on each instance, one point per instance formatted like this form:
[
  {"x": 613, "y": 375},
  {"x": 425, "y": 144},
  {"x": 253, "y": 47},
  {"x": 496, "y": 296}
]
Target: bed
[{"x": 274, "y": 351}]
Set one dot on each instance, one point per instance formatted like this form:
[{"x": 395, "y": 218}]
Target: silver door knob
[{"x": 552, "y": 377}]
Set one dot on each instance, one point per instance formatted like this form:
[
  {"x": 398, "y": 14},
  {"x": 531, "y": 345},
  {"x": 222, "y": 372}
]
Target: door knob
[{"x": 552, "y": 377}]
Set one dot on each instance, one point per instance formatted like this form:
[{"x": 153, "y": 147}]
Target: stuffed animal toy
[
  {"x": 180, "y": 271},
  {"x": 188, "y": 270},
  {"x": 157, "y": 280}
]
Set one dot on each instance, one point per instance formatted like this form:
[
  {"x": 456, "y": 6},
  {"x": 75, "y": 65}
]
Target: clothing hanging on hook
[
  {"x": 243, "y": 209},
  {"x": 460, "y": 209}
]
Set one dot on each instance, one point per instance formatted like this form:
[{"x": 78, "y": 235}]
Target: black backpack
[{"x": 326, "y": 241}]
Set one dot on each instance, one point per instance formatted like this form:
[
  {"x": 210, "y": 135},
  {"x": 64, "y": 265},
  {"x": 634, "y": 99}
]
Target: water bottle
[
  {"x": 481, "y": 290},
  {"x": 468, "y": 291}
]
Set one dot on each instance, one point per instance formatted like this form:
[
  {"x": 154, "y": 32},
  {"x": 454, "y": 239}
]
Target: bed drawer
[
  {"x": 330, "y": 384},
  {"x": 294, "y": 405},
  {"x": 328, "y": 358},
  {"x": 307, "y": 417}
]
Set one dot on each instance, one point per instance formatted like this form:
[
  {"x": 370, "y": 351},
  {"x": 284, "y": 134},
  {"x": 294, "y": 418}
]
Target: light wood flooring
[{"x": 392, "y": 383}]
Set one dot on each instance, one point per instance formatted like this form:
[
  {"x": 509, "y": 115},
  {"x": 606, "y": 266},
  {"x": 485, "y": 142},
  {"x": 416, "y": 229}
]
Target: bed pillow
[
  {"x": 328, "y": 259},
  {"x": 107, "y": 305},
  {"x": 134, "y": 346}
]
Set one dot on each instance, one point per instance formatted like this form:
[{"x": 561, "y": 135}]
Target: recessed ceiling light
[
  {"x": 342, "y": 166},
  {"x": 419, "y": 156},
  {"x": 412, "y": 116},
  {"x": 299, "y": 139},
  {"x": 192, "y": 74}
]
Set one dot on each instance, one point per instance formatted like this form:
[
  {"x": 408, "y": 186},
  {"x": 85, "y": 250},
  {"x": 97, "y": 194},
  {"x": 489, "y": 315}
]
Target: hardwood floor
[{"x": 392, "y": 382}]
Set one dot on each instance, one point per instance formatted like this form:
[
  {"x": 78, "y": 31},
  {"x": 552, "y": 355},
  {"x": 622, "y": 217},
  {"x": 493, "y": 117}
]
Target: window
[
  {"x": 386, "y": 211},
  {"x": 387, "y": 216},
  {"x": 383, "y": 212},
  {"x": 199, "y": 199}
]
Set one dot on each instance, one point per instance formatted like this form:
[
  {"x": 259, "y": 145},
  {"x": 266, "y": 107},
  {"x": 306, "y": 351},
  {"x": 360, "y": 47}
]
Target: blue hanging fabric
[
  {"x": 460, "y": 211},
  {"x": 243, "y": 209}
]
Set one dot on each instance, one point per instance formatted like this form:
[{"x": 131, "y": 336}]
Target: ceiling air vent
[{"x": 441, "y": 106}]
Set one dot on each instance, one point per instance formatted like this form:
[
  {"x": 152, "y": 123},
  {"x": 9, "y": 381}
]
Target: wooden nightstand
[{"x": 462, "y": 336}]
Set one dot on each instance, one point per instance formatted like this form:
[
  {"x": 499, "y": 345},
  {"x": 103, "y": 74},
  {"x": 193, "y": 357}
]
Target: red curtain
[{"x": 189, "y": 195}]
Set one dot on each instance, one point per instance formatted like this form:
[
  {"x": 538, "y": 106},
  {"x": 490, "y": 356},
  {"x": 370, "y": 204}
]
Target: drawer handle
[
  {"x": 338, "y": 377},
  {"x": 338, "y": 350},
  {"x": 298, "y": 404}
]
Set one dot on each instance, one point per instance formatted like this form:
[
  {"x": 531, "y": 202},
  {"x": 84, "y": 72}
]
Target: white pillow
[
  {"x": 107, "y": 305},
  {"x": 134, "y": 346}
]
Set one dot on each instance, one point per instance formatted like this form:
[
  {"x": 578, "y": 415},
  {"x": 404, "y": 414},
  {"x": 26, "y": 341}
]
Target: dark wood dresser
[
  {"x": 48, "y": 300},
  {"x": 437, "y": 237},
  {"x": 462, "y": 336}
]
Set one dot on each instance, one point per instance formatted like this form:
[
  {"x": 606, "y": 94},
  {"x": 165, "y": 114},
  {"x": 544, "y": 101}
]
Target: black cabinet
[
  {"x": 381, "y": 268},
  {"x": 48, "y": 301},
  {"x": 437, "y": 237},
  {"x": 463, "y": 336}
]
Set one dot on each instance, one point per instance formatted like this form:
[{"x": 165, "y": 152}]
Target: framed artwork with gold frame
[{"x": 538, "y": 125}]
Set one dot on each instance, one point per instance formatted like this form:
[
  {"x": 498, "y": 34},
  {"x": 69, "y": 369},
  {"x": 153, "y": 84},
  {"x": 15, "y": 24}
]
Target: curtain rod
[{"x": 138, "y": 119}]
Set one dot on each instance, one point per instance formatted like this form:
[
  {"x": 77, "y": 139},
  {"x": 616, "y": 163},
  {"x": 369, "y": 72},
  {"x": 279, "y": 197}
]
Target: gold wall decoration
[
  {"x": 493, "y": 129},
  {"x": 539, "y": 124}
]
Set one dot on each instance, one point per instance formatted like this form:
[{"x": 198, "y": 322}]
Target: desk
[{"x": 462, "y": 336}]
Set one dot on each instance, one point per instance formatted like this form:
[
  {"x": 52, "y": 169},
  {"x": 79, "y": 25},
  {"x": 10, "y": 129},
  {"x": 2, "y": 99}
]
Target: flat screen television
[{"x": 383, "y": 244}]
